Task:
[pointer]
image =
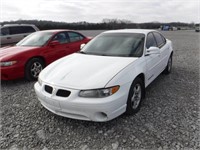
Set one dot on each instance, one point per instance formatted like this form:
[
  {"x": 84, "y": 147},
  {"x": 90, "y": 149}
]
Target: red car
[{"x": 28, "y": 57}]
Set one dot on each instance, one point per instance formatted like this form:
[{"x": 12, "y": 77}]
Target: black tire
[
  {"x": 168, "y": 68},
  {"x": 134, "y": 101},
  {"x": 32, "y": 69}
]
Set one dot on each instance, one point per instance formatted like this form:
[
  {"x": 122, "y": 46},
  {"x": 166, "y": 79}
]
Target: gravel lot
[{"x": 168, "y": 119}]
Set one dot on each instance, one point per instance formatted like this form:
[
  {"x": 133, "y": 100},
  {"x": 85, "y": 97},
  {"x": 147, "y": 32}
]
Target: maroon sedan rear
[{"x": 28, "y": 57}]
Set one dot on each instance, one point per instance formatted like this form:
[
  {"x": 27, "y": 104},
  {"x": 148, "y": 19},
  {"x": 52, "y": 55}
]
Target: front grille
[
  {"x": 48, "y": 89},
  {"x": 63, "y": 93}
]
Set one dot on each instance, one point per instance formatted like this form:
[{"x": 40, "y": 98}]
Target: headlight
[
  {"x": 7, "y": 63},
  {"x": 99, "y": 93}
]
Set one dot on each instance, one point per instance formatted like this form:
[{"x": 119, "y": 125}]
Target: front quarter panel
[
  {"x": 129, "y": 73},
  {"x": 27, "y": 55}
]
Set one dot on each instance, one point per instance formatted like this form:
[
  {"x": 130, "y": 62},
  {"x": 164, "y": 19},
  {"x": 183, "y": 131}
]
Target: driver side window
[
  {"x": 150, "y": 41},
  {"x": 61, "y": 37}
]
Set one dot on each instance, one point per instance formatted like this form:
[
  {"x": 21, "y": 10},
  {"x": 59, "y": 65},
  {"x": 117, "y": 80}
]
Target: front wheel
[
  {"x": 135, "y": 97},
  {"x": 33, "y": 68}
]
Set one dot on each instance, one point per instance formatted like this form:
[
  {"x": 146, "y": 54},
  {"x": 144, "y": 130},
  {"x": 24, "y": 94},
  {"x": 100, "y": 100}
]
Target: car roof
[
  {"x": 11, "y": 25},
  {"x": 55, "y": 30},
  {"x": 143, "y": 31}
]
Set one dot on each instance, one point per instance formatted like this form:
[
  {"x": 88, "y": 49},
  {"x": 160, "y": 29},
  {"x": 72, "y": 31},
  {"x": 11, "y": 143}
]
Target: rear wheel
[
  {"x": 135, "y": 97},
  {"x": 168, "y": 68},
  {"x": 33, "y": 68}
]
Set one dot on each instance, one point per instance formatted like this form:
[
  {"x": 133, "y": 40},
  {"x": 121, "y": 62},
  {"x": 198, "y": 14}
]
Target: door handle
[{"x": 8, "y": 38}]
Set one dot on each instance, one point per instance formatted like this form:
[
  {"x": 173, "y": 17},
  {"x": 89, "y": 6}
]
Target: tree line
[{"x": 106, "y": 24}]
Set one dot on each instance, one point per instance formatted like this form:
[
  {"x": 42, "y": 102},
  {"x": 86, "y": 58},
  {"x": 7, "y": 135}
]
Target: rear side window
[
  {"x": 21, "y": 29},
  {"x": 150, "y": 41},
  {"x": 16, "y": 30},
  {"x": 28, "y": 29},
  {"x": 159, "y": 39},
  {"x": 75, "y": 37},
  {"x": 5, "y": 31}
]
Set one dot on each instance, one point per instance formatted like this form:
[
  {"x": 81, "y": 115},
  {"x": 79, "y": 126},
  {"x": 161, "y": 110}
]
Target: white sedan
[{"x": 107, "y": 77}]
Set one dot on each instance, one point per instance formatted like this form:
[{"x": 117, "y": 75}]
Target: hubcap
[
  {"x": 36, "y": 68},
  {"x": 137, "y": 95}
]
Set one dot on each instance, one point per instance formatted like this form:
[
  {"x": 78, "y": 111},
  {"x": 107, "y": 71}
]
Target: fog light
[{"x": 101, "y": 116}]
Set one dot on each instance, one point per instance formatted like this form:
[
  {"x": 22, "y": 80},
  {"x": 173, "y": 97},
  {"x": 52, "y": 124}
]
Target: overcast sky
[{"x": 96, "y": 10}]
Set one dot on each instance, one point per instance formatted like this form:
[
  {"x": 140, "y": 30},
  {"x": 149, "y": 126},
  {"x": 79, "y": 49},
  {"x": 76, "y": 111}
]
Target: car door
[
  {"x": 76, "y": 40},
  {"x": 161, "y": 42},
  {"x": 16, "y": 34},
  {"x": 152, "y": 60},
  {"x": 58, "y": 47},
  {"x": 24, "y": 31}
]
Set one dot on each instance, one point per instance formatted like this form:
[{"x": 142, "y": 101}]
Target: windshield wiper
[{"x": 82, "y": 52}]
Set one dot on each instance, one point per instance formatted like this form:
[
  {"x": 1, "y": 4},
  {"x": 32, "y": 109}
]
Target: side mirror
[
  {"x": 82, "y": 45},
  {"x": 54, "y": 43},
  {"x": 152, "y": 50}
]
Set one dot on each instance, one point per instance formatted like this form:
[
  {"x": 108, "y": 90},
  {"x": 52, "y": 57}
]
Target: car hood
[
  {"x": 81, "y": 71},
  {"x": 9, "y": 51}
]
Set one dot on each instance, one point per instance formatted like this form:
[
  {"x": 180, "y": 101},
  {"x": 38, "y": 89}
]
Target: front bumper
[
  {"x": 73, "y": 106},
  {"x": 12, "y": 72}
]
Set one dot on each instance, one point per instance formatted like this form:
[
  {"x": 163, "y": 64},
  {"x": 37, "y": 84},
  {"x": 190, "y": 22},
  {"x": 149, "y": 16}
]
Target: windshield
[
  {"x": 36, "y": 39},
  {"x": 116, "y": 44}
]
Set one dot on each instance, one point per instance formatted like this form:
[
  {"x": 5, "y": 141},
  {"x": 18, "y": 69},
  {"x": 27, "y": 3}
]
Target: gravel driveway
[{"x": 168, "y": 119}]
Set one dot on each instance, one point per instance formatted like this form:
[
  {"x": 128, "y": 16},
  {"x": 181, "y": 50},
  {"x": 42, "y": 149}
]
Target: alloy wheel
[
  {"x": 36, "y": 68},
  {"x": 137, "y": 95}
]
